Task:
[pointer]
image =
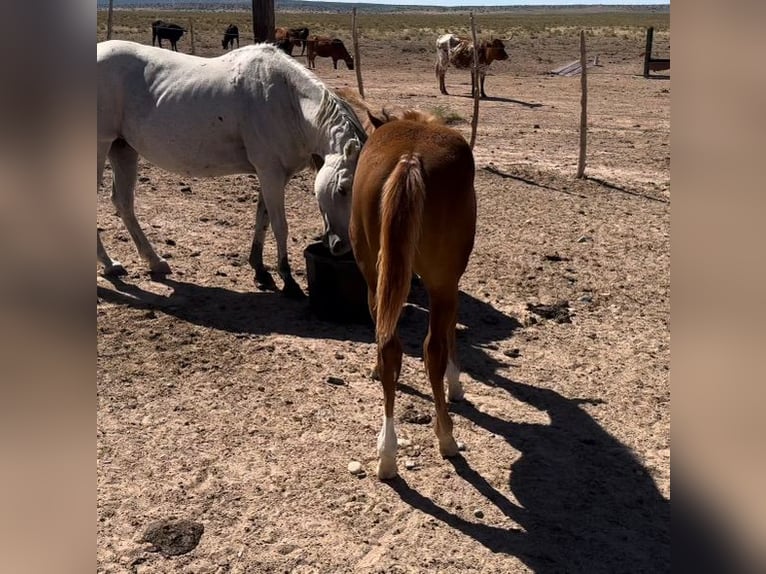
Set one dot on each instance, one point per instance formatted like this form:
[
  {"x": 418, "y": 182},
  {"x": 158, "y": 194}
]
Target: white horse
[{"x": 253, "y": 110}]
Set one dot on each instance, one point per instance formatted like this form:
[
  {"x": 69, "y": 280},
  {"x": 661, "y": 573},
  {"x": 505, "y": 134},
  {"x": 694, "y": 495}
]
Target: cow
[
  {"x": 450, "y": 49},
  {"x": 299, "y": 36},
  {"x": 328, "y": 48},
  {"x": 166, "y": 31},
  {"x": 231, "y": 34},
  {"x": 283, "y": 41}
]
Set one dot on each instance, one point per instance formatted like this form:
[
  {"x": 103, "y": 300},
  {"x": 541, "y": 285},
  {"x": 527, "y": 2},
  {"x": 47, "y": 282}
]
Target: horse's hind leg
[
  {"x": 124, "y": 160},
  {"x": 111, "y": 266},
  {"x": 263, "y": 279},
  {"x": 389, "y": 365},
  {"x": 436, "y": 350},
  {"x": 454, "y": 387}
]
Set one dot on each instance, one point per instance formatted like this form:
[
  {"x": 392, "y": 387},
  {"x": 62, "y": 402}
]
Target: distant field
[{"x": 135, "y": 24}]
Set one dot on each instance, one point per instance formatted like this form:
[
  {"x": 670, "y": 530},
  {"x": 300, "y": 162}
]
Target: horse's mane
[
  {"x": 348, "y": 112},
  {"x": 331, "y": 104}
]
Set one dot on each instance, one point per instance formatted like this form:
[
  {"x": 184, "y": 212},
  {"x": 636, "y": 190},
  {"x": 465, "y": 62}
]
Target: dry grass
[{"x": 409, "y": 26}]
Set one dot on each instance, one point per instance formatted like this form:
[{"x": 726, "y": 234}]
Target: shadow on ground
[{"x": 585, "y": 502}]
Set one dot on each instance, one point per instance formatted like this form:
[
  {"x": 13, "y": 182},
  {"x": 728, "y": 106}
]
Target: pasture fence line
[
  {"x": 357, "y": 59},
  {"x": 191, "y": 36},
  {"x": 474, "y": 81},
  {"x": 109, "y": 15},
  {"x": 583, "y": 107}
]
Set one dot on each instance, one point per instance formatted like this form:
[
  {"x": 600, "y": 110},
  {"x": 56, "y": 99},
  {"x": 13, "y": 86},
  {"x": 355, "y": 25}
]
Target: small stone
[
  {"x": 513, "y": 353},
  {"x": 355, "y": 467},
  {"x": 340, "y": 356},
  {"x": 478, "y": 513},
  {"x": 586, "y": 299},
  {"x": 583, "y": 239},
  {"x": 337, "y": 381},
  {"x": 460, "y": 445},
  {"x": 403, "y": 442},
  {"x": 410, "y": 464},
  {"x": 536, "y": 126},
  {"x": 170, "y": 242},
  {"x": 185, "y": 189}
]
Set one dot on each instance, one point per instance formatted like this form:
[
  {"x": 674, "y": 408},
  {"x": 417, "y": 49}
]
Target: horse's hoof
[
  {"x": 455, "y": 394},
  {"x": 386, "y": 470},
  {"x": 265, "y": 282},
  {"x": 161, "y": 267},
  {"x": 293, "y": 291},
  {"x": 115, "y": 270},
  {"x": 448, "y": 448}
]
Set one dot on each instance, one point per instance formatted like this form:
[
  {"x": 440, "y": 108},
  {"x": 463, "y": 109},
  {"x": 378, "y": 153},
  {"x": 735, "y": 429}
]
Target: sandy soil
[{"x": 213, "y": 398}]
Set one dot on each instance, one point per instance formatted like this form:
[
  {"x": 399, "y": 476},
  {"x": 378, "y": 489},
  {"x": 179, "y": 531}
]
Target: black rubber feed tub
[{"x": 337, "y": 290}]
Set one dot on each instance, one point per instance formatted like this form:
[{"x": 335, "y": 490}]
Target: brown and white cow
[
  {"x": 450, "y": 49},
  {"x": 326, "y": 47}
]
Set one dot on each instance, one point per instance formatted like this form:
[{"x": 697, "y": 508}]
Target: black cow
[
  {"x": 166, "y": 31},
  {"x": 231, "y": 34},
  {"x": 299, "y": 36}
]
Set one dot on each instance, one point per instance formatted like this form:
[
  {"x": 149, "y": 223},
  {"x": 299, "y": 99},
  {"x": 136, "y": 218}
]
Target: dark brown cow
[
  {"x": 451, "y": 49},
  {"x": 166, "y": 31},
  {"x": 299, "y": 36},
  {"x": 231, "y": 34},
  {"x": 326, "y": 47}
]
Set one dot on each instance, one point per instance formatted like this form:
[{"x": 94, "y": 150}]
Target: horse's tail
[{"x": 401, "y": 217}]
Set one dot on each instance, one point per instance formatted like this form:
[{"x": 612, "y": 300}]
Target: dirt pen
[{"x": 240, "y": 411}]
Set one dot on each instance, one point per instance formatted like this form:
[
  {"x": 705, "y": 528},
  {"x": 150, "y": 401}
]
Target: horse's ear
[
  {"x": 377, "y": 121},
  {"x": 351, "y": 148},
  {"x": 317, "y": 161}
]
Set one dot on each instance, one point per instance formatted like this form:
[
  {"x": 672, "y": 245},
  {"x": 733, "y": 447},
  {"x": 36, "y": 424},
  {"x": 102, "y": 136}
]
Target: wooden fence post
[
  {"x": 475, "y": 76},
  {"x": 109, "y": 20},
  {"x": 583, "y": 107},
  {"x": 648, "y": 51},
  {"x": 357, "y": 60},
  {"x": 191, "y": 36}
]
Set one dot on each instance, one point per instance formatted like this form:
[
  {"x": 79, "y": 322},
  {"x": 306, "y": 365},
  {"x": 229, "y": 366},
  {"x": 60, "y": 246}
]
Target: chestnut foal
[{"x": 414, "y": 209}]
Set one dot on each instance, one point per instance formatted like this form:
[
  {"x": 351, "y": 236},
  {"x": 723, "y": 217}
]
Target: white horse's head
[{"x": 332, "y": 188}]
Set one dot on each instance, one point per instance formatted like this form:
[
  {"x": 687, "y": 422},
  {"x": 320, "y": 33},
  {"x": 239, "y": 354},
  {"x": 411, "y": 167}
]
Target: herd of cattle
[{"x": 450, "y": 49}]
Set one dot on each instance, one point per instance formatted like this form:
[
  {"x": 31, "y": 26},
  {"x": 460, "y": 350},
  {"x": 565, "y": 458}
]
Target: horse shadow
[
  {"x": 249, "y": 313},
  {"x": 506, "y": 100},
  {"x": 585, "y": 502},
  {"x": 482, "y": 324}
]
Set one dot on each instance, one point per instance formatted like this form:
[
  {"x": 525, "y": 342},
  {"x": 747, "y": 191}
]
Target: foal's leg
[
  {"x": 263, "y": 279},
  {"x": 111, "y": 266},
  {"x": 273, "y": 191},
  {"x": 436, "y": 351},
  {"x": 454, "y": 388},
  {"x": 124, "y": 160},
  {"x": 389, "y": 365}
]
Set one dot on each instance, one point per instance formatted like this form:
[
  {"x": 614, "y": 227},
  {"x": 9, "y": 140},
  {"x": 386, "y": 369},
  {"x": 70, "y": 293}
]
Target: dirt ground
[{"x": 213, "y": 398}]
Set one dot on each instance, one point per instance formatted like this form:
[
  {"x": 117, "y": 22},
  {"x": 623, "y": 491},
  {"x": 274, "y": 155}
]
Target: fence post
[
  {"x": 109, "y": 21},
  {"x": 357, "y": 60},
  {"x": 583, "y": 107},
  {"x": 476, "y": 88},
  {"x": 648, "y": 51},
  {"x": 191, "y": 36}
]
